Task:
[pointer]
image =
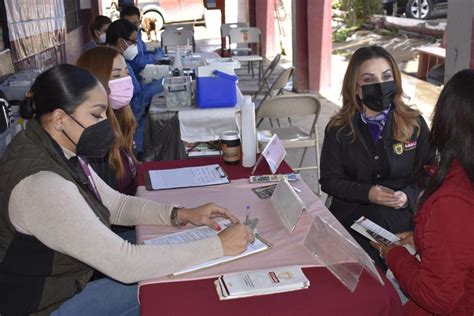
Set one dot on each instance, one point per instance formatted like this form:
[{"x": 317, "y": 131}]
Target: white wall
[{"x": 236, "y": 11}]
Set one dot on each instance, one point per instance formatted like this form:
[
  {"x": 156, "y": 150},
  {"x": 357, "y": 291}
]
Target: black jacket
[{"x": 349, "y": 169}]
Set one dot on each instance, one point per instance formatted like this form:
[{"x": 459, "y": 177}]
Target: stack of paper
[{"x": 261, "y": 282}]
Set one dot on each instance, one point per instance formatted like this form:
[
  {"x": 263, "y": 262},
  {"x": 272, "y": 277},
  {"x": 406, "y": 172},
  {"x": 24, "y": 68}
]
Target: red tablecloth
[{"x": 325, "y": 296}]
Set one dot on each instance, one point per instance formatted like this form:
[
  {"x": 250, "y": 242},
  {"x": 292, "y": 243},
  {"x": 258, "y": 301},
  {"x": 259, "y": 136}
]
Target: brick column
[
  {"x": 265, "y": 21},
  {"x": 312, "y": 42}
]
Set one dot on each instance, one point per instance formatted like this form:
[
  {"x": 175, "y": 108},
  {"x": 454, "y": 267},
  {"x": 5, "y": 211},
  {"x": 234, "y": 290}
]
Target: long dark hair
[
  {"x": 119, "y": 29},
  {"x": 405, "y": 118},
  {"x": 452, "y": 129},
  {"x": 61, "y": 87}
]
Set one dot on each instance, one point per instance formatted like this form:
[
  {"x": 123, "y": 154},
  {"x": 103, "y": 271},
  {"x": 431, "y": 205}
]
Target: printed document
[
  {"x": 187, "y": 177},
  {"x": 376, "y": 233},
  {"x": 204, "y": 232},
  {"x": 261, "y": 282}
]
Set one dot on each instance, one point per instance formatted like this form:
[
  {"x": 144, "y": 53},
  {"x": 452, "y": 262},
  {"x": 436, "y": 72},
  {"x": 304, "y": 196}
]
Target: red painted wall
[
  {"x": 471, "y": 66},
  {"x": 300, "y": 37},
  {"x": 319, "y": 44},
  {"x": 265, "y": 21},
  {"x": 313, "y": 36}
]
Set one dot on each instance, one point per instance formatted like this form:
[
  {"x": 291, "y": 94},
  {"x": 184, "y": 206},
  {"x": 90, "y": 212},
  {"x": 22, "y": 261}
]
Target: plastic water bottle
[
  {"x": 249, "y": 133},
  {"x": 178, "y": 65}
]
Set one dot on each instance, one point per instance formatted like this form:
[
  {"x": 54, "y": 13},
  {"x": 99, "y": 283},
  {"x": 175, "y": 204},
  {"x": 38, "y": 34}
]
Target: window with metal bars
[{"x": 73, "y": 18}]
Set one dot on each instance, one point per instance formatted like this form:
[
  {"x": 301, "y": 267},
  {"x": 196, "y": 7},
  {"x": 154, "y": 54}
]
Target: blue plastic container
[{"x": 216, "y": 92}]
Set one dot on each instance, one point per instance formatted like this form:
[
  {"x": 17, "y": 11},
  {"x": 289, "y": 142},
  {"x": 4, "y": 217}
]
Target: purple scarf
[{"x": 375, "y": 123}]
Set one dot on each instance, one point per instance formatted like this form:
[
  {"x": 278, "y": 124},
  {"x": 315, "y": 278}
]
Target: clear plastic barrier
[{"x": 342, "y": 256}]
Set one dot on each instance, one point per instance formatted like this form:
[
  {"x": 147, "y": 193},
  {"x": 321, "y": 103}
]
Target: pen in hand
[
  {"x": 247, "y": 216},
  {"x": 248, "y": 222}
]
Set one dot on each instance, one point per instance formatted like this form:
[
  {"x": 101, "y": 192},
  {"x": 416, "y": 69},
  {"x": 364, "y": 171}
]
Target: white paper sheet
[
  {"x": 204, "y": 232},
  {"x": 374, "y": 232},
  {"x": 187, "y": 177},
  {"x": 274, "y": 153}
]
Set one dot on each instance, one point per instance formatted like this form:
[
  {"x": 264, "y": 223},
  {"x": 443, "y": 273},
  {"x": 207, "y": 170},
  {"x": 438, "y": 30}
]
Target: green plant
[
  {"x": 337, "y": 4},
  {"x": 340, "y": 35},
  {"x": 343, "y": 33},
  {"x": 359, "y": 10}
]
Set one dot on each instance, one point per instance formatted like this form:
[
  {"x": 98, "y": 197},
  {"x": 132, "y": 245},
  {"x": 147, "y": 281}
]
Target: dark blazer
[{"x": 350, "y": 168}]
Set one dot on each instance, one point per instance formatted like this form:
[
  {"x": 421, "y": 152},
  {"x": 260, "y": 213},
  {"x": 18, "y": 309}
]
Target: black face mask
[
  {"x": 378, "y": 96},
  {"x": 95, "y": 140}
]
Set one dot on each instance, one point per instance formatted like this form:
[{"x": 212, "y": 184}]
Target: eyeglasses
[{"x": 130, "y": 40}]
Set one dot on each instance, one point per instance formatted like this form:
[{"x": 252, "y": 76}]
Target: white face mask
[
  {"x": 131, "y": 52},
  {"x": 102, "y": 38}
]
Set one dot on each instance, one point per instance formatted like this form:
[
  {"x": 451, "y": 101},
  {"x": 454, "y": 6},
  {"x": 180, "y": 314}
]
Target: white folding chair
[
  {"x": 294, "y": 105},
  {"x": 225, "y": 29},
  {"x": 279, "y": 84},
  {"x": 248, "y": 36},
  {"x": 264, "y": 82},
  {"x": 174, "y": 38}
]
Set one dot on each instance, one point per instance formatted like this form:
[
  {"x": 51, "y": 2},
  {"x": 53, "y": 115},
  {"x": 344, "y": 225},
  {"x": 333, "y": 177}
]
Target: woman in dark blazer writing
[{"x": 373, "y": 147}]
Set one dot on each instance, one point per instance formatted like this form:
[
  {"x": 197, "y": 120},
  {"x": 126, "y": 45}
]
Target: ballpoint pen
[
  {"x": 248, "y": 222},
  {"x": 247, "y": 216}
]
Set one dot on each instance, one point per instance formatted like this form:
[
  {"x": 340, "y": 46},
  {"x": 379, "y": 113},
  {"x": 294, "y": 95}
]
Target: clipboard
[
  {"x": 203, "y": 232},
  {"x": 187, "y": 177},
  {"x": 222, "y": 262}
]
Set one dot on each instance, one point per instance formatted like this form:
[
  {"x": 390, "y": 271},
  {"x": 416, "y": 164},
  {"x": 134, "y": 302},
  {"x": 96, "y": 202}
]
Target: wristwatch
[{"x": 174, "y": 217}]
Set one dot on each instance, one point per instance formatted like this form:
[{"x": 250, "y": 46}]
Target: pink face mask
[{"x": 121, "y": 92}]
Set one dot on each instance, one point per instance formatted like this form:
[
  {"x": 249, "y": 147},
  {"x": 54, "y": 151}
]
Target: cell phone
[{"x": 386, "y": 190}]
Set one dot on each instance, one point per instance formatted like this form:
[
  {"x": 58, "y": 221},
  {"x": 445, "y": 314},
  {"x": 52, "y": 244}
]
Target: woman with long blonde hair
[
  {"x": 373, "y": 147},
  {"x": 109, "y": 67}
]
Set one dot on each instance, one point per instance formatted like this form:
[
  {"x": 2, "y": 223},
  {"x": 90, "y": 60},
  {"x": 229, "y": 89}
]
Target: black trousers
[{"x": 388, "y": 7}]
